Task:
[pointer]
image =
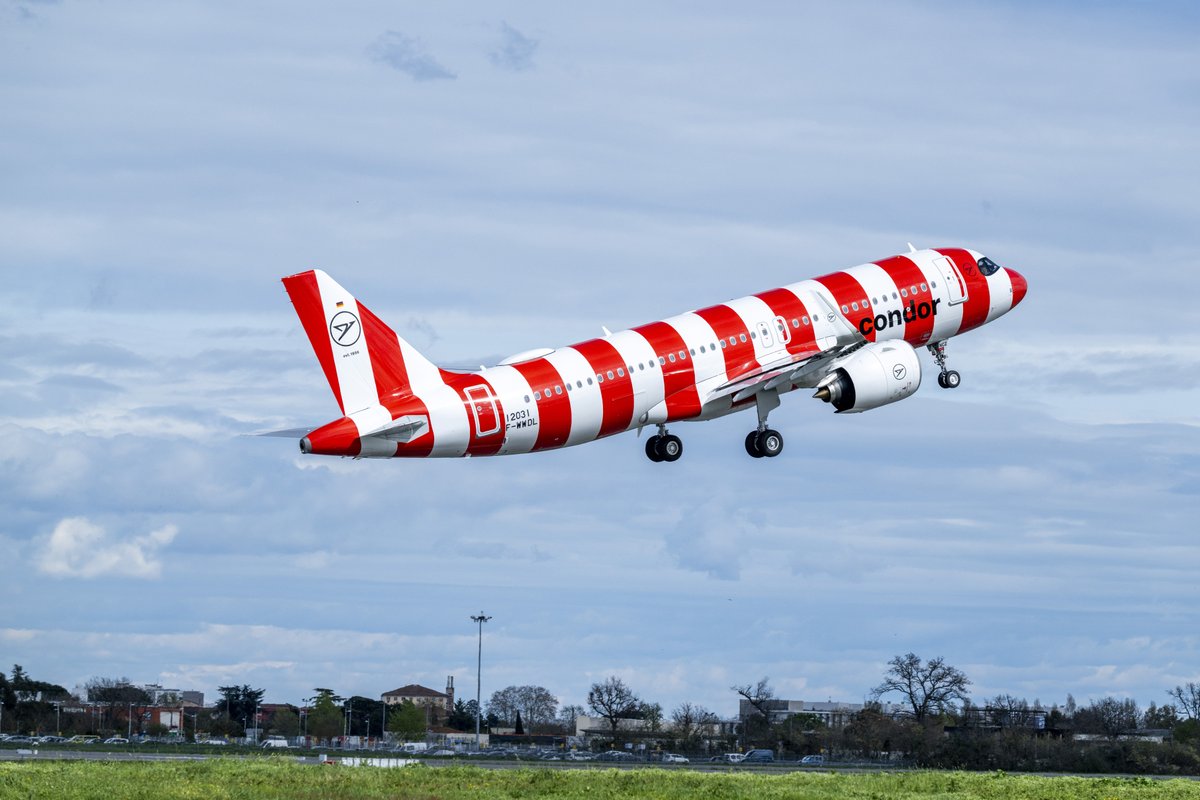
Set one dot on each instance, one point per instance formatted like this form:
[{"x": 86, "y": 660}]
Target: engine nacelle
[{"x": 878, "y": 374}]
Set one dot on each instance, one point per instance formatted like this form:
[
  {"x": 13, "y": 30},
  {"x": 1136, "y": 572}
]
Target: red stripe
[
  {"x": 306, "y": 297},
  {"x": 481, "y": 445},
  {"x": 784, "y": 303},
  {"x": 979, "y": 298},
  {"x": 848, "y": 292},
  {"x": 406, "y": 406},
  {"x": 906, "y": 275},
  {"x": 727, "y": 324},
  {"x": 554, "y": 409},
  {"x": 387, "y": 361},
  {"x": 616, "y": 394},
  {"x": 679, "y": 376}
]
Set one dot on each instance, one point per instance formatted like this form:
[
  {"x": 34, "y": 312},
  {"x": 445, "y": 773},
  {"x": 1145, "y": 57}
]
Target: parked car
[
  {"x": 575, "y": 755},
  {"x": 441, "y": 752},
  {"x": 116, "y": 740},
  {"x": 758, "y": 757},
  {"x": 52, "y": 739},
  {"x": 674, "y": 758},
  {"x": 218, "y": 742},
  {"x": 615, "y": 755},
  {"x": 275, "y": 741},
  {"x": 19, "y": 739},
  {"x": 812, "y": 761},
  {"x": 727, "y": 758}
]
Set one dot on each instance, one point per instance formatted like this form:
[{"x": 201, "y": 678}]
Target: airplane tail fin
[{"x": 363, "y": 359}]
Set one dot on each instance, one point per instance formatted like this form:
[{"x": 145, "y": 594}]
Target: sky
[{"x": 490, "y": 179}]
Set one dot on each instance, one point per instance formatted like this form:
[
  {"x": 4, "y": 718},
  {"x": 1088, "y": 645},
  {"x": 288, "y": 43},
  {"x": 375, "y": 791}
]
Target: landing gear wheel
[
  {"x": 669, "y": 448},
  {"x": 952, "y": 380},
  {"x": 769, "y": 443},
  {"x": 752, "y": 444},
  {"x": 652, "y": 449},
  {"x": 942, "y": 380}
]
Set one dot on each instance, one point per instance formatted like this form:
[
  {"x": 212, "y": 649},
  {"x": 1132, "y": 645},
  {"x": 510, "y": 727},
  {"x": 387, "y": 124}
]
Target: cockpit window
[{"x": 987, "y": 266}]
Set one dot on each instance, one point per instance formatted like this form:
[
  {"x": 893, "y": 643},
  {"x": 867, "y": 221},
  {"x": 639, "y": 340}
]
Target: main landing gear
[
  {"x": 947, "y": 378},
  {"x": 763, "y": 441},
  {"x": 664, "y": 446}
]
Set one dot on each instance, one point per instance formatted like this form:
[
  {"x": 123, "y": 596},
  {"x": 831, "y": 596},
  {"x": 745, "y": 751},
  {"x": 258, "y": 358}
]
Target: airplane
[{"x": 852, "y": 336}]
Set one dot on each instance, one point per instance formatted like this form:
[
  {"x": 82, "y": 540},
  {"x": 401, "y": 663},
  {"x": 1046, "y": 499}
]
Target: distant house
[
  {"x": 437, "y": 705},
  {"x": 833, "y": 714}
]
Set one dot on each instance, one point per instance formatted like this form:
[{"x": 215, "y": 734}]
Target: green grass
[{"x": 279, "y": 778}]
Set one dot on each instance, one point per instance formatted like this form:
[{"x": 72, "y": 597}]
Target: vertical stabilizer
[{"x": 363, "y": 359}]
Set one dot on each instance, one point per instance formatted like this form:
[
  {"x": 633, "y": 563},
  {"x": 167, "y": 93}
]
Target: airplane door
[
  {"x": 785, "y": 335},
  {"x": 956, "y": 287},
  {"x": 483, "y": 409},
  {"x": 764, "y": 334}
]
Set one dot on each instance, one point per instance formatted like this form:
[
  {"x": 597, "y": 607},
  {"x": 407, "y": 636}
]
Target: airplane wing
[{"x": 804, "y": 367}]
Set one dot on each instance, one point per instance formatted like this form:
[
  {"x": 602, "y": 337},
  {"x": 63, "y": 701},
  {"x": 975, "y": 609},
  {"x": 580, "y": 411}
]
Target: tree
[
  {"x": 652, "y": 715},
  {"x": 407, "y": 721},
  {"x": 1108, "y": 716},
  {"x": 567, "y": 716},
  {"x": 1188, "y": 699},
  {"x": 756, "y": 725},
  {"x": 240, "y": 702},
  {"x": 325, "y": 719},
  {"x": 612, "y": 701},
  {"x": 462, "y": 716},
  {"x": 285, "y": 722},
  {"x": 927, "y": 688},
  {"x": 690, "y": 723},
  {"x": 1158, "y": 717},
  {"x": 536, "y": 705}
]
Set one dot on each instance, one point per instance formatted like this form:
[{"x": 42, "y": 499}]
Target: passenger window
[
  {"x": 733, "y": 339},
  {"x": 742, "y": 337},
  {"x": 795, "y": 322},
  {"x": 537, "y": 395},
  {"x": 662, "y": 360},
  {"x": 845, "y": 310},
  {"x": 693, "y": 351},
  {"x": 620, "y": 373},
  {"x": 804, "y": 320},
  {"x": 642, "y": 366},
  {"x": 853, "y": 306},
  {"x": 526, "y": 398},
  {"x": 912, "y": 290},
  {"x": 904, "y": 292},
  {"x": 610, "y": 375},
  {"x": 671, "y": 356},
  {"x": 558, "y": 390},
  {"x": 599, "y": 379},
  {"x": 702, "y": 350},
  {"x": 682, "y": 356},
  {"x": 578, "y": 384},
  {"x": 924, "y": 288}
]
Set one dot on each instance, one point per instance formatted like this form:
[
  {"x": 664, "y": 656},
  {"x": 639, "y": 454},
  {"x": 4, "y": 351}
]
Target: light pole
[
  {"x": 130, "y": 720},
  {"x": 58, "y": 717},
  {"x": 480, "y": 619},
  {"x": 304, "y": 715}
]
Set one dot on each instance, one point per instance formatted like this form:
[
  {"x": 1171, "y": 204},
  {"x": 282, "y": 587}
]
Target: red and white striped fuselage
[{"x": 693, "y": 366}]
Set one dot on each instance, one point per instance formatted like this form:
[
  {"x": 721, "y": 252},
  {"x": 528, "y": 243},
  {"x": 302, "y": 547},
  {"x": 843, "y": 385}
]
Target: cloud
[
  {"x": 407, "y": 54},
  {"x": 78, "y": 548},
  {"x": 515, "y": 51}
]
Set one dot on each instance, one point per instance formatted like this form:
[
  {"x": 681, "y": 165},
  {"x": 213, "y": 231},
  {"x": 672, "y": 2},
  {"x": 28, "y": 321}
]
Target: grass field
[{"x": 279, "y": 778}]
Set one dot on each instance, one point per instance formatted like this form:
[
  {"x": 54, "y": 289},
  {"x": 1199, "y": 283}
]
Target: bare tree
[
  {"x": 929, "y": 687},
  {"x": 1188, "y": 698},
  {"x": 567, "y": 716},
  {"x": 613, "y": 701},
  {"x": 1108, "y": 716},
  {"x": 690, "y": 723},
  {"x": 757, "y": 695},
  {"x": 534, "y": 703}
]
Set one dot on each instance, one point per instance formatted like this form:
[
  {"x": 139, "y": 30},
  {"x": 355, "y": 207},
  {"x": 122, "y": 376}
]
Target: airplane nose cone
[{"x": 1019, "y": 286}]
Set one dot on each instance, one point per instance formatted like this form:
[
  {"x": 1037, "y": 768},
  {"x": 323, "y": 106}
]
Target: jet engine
[{"x": 873, "y": 376}]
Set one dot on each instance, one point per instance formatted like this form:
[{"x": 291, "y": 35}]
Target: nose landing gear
[{"x": 947, "y": 378}]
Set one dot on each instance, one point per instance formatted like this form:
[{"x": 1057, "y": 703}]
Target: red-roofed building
[{"x": 437, "y": 704}]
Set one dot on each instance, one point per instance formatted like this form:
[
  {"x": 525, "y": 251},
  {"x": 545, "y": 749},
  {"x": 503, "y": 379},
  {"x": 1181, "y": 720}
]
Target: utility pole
[{"x": 480, "y": 619}]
